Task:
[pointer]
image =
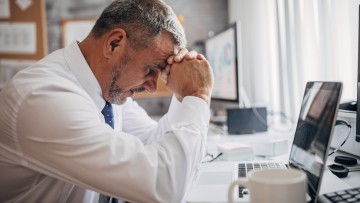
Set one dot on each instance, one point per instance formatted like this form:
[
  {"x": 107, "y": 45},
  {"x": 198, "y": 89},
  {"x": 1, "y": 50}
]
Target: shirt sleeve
[
  {"x": 136, "y": 121},
  {"x": 61, "y": 134}
]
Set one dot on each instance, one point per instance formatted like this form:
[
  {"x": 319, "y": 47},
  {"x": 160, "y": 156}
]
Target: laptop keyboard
[
  {"x": 245, "y": 168},
  {"x": 349, "y": 195}
]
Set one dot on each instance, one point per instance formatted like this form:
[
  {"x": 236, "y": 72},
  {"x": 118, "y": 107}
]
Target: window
[{"x": 290, "y": 42}]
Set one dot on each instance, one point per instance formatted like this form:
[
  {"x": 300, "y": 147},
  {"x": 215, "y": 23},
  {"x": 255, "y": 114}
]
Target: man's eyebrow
[{"x": 160, "y": 67}]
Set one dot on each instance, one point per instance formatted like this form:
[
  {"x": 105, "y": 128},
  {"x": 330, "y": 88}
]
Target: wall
[{"x": 201, "y": 18}]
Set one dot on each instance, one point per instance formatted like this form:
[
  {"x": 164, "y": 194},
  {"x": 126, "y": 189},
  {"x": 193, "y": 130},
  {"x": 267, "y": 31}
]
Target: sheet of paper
[
  {"x": 76, "y": 30},
  {"x": 17, "y": 38},
  {"x": 24, "y": 4},
  {"x": 4, "y": 8}
]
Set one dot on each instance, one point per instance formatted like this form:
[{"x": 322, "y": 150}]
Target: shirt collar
[{"x": 81, "y": 70}]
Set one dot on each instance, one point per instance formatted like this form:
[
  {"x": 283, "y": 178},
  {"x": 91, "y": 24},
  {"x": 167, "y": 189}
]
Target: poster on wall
[
  {"x": 17, "y": 38},
  {"x": 4, "y": 9},
  {"x": 76, "y": 29}
]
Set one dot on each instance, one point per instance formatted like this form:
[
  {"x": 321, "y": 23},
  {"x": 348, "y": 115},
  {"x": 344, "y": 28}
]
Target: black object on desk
[
  {"x": 346, "y": 160},
  {"x": 343, "y": 165},
  {"x": 246, "y": 120},
  {"x": 349, "y": 106}
]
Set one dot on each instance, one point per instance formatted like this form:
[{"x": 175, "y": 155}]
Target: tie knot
[{"x": 108, "y": 114}]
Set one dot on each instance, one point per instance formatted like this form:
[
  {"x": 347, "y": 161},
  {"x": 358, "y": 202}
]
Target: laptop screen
[{"x": 314, "y": 130}]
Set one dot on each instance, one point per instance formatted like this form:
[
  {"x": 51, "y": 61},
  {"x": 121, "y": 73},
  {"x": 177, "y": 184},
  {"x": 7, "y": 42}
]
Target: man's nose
[
  {"x": 151, "y": 86},
  {"x": 151, "y": 83}
]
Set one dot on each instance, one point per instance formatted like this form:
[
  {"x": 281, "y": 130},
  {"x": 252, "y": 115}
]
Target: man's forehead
[
  {"x": 174, "y": 51},
  {"x": 161, "y": 49},
  {"x": 161, "y": 62},
  {"x": 165, "y": 39},
  {"x": 166, "y": 51}
]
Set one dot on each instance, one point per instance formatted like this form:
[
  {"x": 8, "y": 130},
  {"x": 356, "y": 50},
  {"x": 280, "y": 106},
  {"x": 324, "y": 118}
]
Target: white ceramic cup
[{"x": 273, "y": 186}]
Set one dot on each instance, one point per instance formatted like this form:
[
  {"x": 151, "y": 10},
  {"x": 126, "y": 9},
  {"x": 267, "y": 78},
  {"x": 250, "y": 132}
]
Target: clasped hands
[{"x": 188, "y": 74}]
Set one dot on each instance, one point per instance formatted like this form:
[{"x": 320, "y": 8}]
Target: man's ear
[{"x": 114, "y": 41}]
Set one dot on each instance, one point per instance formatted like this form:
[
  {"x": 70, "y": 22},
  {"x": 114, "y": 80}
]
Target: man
[{"x": 58, "y": 139}]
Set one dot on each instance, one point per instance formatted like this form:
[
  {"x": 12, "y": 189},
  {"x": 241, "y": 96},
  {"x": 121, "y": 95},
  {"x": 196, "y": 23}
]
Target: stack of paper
[{"x": 236, "y": 151}]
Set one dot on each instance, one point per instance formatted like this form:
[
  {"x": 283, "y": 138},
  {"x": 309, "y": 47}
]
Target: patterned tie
[
  {"x": 109, "y": 119},
  {"x": 108, "y": 114}
]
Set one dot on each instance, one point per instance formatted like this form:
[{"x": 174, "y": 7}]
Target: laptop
[{"x": 309, "y": 150}]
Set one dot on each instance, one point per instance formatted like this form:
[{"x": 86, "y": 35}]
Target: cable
[
  {"x": 342, "y": 122},
  {"x": 212, "y": 157}
]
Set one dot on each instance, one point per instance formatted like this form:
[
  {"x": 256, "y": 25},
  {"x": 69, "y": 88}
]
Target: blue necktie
[
  {"x": 109, "y": 119},
  {"x": 108, "y": 114}
]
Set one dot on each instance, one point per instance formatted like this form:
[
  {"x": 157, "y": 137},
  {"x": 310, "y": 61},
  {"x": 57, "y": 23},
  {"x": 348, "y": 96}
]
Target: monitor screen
[
  {"x": 358, "y": 89},
  {"x": 221, "y": 52}
]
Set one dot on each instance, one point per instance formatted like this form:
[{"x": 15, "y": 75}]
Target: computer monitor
[
  {"x": 358, "y": 89},
  {"x": 222, "y": 52}
]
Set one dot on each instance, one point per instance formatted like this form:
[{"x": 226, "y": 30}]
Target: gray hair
[{"x": 142, "y": 20}]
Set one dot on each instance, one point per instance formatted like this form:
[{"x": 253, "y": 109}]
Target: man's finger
[
  {"x": 180, "y": 55},
  {"x": 200, "y": 57},
  {"x": 164, "y": 74},
  {"x": 191, "y": 55},
  {"x": 170, "y": 60}
]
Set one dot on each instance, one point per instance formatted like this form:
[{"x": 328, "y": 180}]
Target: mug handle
[{"x": 240, "y": 182}]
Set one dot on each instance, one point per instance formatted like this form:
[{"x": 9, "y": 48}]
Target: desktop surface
[{"x": 330, "y": 182}]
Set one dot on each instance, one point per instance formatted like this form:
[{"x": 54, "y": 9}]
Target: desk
[{"x": 330, "y": 182}]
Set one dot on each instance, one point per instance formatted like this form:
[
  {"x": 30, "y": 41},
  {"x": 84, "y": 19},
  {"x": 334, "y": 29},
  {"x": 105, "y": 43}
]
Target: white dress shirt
[{"x": 56, "y": 147}]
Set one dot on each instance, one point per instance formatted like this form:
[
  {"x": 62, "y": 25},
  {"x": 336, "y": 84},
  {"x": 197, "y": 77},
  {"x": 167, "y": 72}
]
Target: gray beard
[{"x": 116, "y": 92}]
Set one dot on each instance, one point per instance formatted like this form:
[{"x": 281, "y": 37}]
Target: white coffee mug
[{"x": 273, "y": 186}]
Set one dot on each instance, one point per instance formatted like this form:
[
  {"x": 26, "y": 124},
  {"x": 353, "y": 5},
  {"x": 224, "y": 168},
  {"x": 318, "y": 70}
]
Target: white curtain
[{"x": 303, "y": 40}]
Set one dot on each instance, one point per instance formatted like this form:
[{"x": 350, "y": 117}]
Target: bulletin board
[{"x": 22, "y": 18}]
